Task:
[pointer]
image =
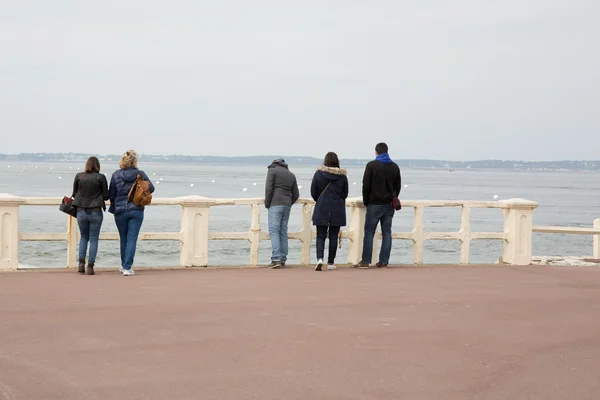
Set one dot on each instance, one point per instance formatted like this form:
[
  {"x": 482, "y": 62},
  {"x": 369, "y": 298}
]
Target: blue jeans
[
  {"x": 129, "y": 224},
  {"x": 279, "y": 217},
  {"x": 375, "y": 214},
  {"x": 89, "y": 227}
]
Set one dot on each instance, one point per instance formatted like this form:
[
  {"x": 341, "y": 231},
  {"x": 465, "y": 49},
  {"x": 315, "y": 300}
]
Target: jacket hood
[
  {"x": 384, "y": 158},
  {"x": 128, "y": 175},
  {"x": 332, "y": 170},
  {"x": 279, "y": 162},
  {"x": 331, "y": 174}
]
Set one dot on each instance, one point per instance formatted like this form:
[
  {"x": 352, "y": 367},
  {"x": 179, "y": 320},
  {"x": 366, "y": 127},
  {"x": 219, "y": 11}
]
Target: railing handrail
[
  {"x": 195, "y": 234},
  {"x": 351, "y": 202}
]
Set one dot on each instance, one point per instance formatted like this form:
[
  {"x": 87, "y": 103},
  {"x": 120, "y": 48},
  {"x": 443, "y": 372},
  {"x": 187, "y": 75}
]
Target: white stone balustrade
[{"x": 195, "y": 234}]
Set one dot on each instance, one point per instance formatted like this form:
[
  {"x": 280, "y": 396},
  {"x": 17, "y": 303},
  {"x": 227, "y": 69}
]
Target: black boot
[
  {"x": 81, "y": 267},
  {"x": 90, "y": 269}
]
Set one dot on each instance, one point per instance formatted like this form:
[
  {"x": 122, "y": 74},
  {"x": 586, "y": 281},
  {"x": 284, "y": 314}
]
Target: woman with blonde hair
[
  {"x": 128, "y": 215},
  {"x": 90, "y": 190}
]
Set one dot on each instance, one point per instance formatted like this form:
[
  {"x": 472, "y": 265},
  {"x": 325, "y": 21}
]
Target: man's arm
[
  {"x": 269, "y": 187},
  {"x": 399, "y": 182},
  {"x": 366, "y": 186},
  {"x": 295, "y": 192}
]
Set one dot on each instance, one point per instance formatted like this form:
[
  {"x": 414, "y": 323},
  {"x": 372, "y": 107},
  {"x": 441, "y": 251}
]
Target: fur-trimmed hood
[{"x": 333, "y": 171}]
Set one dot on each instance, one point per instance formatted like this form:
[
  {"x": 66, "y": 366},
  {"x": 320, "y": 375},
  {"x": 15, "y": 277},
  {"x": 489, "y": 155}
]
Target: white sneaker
[
  {"x": 319, "y": 266},
  {"x": 331, "y": 267},
  {"x": 128, "y": 272},
  {"x": 121, "y": 269}
]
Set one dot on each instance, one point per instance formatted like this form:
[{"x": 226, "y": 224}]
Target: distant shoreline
[{"x": 510, "y": 165}]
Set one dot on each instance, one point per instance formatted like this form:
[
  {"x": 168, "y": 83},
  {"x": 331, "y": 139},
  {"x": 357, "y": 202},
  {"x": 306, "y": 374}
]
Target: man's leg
[
  {"x": 371, "y": 221},
  {"x": 386, "y": 232},
  {"x": 274, "y": 228},
  {"x": 283, "y": 232}
]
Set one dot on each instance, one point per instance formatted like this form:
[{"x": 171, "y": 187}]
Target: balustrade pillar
[
  {"x": 518, "y": 226},
  {"x": 195, "y": 211},
  {"x": 9, "y": 231}
]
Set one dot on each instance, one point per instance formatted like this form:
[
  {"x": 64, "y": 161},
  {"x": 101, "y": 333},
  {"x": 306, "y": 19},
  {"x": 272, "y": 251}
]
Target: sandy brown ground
[{"x": 401, "y": 333}]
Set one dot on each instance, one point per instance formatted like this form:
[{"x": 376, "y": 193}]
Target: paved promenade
[{"x": 402, "y": 333}]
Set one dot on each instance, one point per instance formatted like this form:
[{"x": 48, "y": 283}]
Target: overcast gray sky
[{"x": 444, "y": 79}]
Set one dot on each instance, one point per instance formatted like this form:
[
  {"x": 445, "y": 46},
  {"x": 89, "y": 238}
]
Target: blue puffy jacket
[{"x": 120, "y": 185}]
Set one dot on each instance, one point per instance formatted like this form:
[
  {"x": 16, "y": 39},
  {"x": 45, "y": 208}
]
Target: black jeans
[{"x": 322, "y": 233}]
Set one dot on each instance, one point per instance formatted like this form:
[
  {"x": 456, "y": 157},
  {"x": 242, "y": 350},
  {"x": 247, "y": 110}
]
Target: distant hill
[{"x": 566, "y": 165}]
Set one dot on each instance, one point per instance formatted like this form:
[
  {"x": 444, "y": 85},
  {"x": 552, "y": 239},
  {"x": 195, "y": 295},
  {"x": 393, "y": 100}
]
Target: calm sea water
[{"x": 566, "y": 198}]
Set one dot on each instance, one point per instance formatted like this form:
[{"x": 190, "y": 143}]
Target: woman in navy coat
[{"x": 329, "y": 189}]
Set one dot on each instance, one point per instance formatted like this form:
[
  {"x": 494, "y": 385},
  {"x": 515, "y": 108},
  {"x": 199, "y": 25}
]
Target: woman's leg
[
  {"x": 96, "y": 219},
  {"x": 321, "y": 236},
  {"x": 334, "y": 231},
  {"x": 84, "y": 230}
]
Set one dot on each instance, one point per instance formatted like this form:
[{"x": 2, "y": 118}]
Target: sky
[{"x": 435, "y": 79}]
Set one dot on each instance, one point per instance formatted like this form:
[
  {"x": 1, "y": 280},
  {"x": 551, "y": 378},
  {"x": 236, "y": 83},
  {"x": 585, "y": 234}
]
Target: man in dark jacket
[
  {"x": 281, "y": 192},
  {"x": 381, "y": 183}
]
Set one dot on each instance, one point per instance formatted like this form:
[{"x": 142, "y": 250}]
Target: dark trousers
[{"x": 322, "y": 233}]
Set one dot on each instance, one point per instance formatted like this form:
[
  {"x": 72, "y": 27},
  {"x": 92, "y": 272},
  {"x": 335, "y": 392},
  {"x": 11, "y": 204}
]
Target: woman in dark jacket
[
  {"x": 90, "y": 191},
  {"x": 329, "y": 189},
  {"x": 128, "y": 216}
]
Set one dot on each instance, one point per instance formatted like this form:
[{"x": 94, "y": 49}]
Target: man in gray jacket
[{"x": 281, "y": 192}]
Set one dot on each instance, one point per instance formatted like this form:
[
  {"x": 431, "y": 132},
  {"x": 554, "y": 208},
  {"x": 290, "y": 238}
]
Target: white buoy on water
[
  {"x": 213, "y": 181},
  {"x": 300, "y": 187},
  {"x": 60, "y": 177},
  {"x": 405, "y": 186},
  {"x": 496, "y": 197},
  {"x": 354, "y": 183},
  {"x": 191, "y": 185},
  {"x": 254, "y": 184},
  {"x": 160, "y": 179},
  {"x": 245, "y": 189}
]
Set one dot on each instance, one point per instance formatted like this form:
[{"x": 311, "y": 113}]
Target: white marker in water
[
  {"x": 254, "y": 184},
  {"x": 154, "y": 174},
  {"x": 300, "y": 187},
  {"x": 354, "y": 183},
  {"x": 157, "y": 182},
  {"x": 191, "y": 185},
  {"x": 496, "y": 197},
  {"x": 8, "y": 166},
  {"x": 60, "y": 177},
  {"x": 405, "y": 186},
  {"x": 160, "y": 179},
  {"x": 244, "y": 189},
  {"x": 213, "y": 181}
]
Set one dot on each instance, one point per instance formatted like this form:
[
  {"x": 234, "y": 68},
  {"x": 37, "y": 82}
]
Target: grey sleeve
[
  {"x": 269, "y": 188},
  {"x": 295, "y": 192}
]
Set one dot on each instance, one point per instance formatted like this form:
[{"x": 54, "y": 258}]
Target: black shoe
[
  {"x": 90, "y": 269},
  {"x": 81, "y": 266},
  {"x": 283, "y": 264},
  {"x": 381, "y": 265},
  {"x": 361, "y": 265},
  {"x": 276, "y": 264}
]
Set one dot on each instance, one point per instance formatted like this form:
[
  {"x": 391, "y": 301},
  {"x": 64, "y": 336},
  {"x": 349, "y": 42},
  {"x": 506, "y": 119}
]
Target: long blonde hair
[{"x": 128, "y": 160}]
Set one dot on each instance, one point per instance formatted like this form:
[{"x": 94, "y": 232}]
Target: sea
[{"x": 566, "y": 198}]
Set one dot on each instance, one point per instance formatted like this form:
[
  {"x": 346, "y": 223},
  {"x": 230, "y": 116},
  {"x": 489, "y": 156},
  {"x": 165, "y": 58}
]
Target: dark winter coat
[
  {"x": 376, "y": 190},
  {"x": 90, "y": 190},
  {"x": 120, "y": 185},
  {"x": 281, "y": 188},
  {"x": 330, "y": 209}
]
